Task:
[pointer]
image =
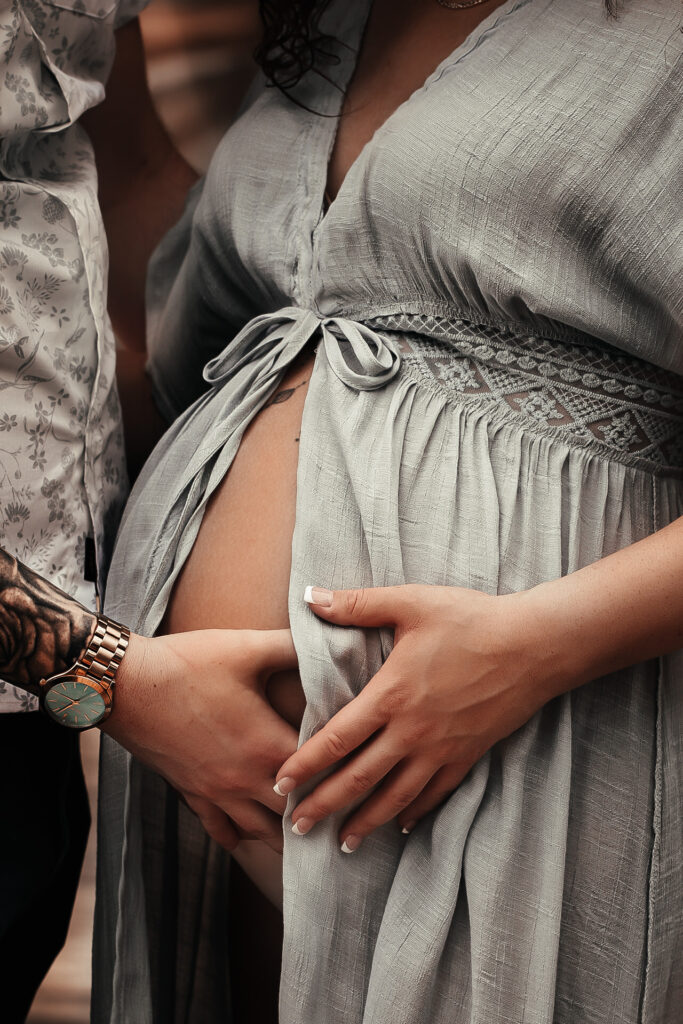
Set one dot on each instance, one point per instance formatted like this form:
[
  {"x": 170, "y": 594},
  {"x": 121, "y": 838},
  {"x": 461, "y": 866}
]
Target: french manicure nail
[
  {"x": 302, "y": 826},
  {"x": 351, "y": 844},
  {"x": 319, "y": 596},
  {"x": 284, "y": 786},
  {"x": 407, "y": 829}
]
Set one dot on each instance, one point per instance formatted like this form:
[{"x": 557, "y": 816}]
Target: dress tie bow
[{"x": 360, "y": 357}]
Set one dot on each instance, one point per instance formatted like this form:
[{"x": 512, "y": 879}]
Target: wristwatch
[{"x": 82, "y": 696}]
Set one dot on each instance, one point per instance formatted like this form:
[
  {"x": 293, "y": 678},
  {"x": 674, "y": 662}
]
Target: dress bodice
[{"x": 534, "y": 182}]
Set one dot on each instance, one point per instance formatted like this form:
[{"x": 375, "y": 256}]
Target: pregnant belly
[{"x": 237, "y": 574}]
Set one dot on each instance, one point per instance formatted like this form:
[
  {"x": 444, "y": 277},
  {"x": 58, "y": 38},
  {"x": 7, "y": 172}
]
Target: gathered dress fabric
[{"x": 495, "y": 301}]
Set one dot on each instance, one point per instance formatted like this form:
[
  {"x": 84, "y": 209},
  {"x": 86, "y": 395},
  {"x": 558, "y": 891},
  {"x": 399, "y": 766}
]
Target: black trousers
[{"x": 45, "y": 818}]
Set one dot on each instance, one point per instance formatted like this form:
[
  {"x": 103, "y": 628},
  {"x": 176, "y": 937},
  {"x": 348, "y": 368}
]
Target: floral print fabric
[{"x": 62, "y": 472}]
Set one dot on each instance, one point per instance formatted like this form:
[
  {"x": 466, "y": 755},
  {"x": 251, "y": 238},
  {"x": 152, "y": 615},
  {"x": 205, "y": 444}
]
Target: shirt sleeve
[{"x": 56, "y": 57}]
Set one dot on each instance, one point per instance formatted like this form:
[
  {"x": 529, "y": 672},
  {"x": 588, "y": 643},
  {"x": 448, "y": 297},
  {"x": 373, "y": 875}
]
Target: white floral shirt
[{"x": 62, "y": 471}]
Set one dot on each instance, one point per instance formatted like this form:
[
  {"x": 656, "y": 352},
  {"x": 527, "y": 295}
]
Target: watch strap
[{"x": 105, "y": 651}]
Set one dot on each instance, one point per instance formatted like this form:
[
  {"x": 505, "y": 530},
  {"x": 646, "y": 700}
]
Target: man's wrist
[{"x": 130, "y": 692}]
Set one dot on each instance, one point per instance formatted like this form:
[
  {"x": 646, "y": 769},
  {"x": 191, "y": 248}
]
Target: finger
[
  {"x": 272, "y": 650},
  {"x": 265, "y": 794},
  {"x": 371, "y": 606},
  {"x": 398, "y": 790},
  {"x": 346, "y": 785},
  {"x": 439, "y": 787},
  {"x": 273, "y": 740},
  {"x": 256, "y": 821},
  {"x": 214, "y": 820},
  {"x": 339, "y": 737}
]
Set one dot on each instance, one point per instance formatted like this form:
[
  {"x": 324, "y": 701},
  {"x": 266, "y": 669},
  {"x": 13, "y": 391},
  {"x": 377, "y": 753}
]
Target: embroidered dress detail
[{"x": 587, "y": 393}]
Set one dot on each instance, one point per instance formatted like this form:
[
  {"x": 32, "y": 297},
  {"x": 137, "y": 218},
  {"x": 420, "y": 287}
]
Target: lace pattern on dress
[{"x": 589, "y": 394}]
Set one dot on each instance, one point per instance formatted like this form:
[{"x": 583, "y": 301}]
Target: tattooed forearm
[{"x": 42, "y": 629}]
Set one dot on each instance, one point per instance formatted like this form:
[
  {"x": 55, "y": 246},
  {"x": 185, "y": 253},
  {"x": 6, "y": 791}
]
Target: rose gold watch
[{"x": 82, "y": 697}]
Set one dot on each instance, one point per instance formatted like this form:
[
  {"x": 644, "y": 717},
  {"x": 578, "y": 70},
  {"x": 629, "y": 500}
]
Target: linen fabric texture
[{"x": 496, "y": 401}]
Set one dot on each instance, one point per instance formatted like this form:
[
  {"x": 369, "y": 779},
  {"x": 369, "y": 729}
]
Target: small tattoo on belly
[{"x": 284, "y": 396}]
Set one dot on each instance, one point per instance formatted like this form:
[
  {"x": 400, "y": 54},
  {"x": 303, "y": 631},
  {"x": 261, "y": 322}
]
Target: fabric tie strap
[{"x": 361, "y": 358}]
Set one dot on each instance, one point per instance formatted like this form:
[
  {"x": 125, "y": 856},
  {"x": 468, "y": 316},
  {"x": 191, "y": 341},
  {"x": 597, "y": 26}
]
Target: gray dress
[{"x": 495, "y": 295}]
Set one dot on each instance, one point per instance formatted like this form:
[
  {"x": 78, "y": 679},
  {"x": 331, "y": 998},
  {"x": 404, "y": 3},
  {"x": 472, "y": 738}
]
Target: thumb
[
  {"x": 273, "y": 650},
  {"x": 371, "y": 606}
]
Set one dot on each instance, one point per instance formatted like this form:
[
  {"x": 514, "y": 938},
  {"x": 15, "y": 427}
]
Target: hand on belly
[{"x": 192, "y": 706}]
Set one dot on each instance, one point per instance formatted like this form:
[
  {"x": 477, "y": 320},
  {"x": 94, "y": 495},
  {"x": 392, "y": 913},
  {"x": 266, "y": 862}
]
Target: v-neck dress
[{"x": 495, "y": 299}]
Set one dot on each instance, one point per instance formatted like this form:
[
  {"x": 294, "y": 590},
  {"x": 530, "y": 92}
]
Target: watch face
[{"x": 75, "y": 704}]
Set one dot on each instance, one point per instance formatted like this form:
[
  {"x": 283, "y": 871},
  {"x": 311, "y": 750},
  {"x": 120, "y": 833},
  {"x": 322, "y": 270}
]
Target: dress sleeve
[{"x": 196, "y": 302}]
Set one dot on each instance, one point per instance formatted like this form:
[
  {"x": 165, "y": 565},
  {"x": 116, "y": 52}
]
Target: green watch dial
[{"x": 75, "y": 704}]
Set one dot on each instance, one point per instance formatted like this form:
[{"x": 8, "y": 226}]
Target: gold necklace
[{"x": 458, "y": 5}]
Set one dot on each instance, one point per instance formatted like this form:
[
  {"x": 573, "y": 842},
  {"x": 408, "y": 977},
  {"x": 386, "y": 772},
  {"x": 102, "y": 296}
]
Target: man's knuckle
[
  {"x": 397, "y": 699},
  {"x": 417, "y": 731}
]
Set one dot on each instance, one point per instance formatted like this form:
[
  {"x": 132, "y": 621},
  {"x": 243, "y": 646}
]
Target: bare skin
[
  {"x": 237, "y": 574},
  {"x": 404, "y": 42}
]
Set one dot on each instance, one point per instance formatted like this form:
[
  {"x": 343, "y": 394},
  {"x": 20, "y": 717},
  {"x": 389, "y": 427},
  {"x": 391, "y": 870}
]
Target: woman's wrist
[
  {"x": 527, "y": 633},
  {"x": 622, "y": 609},
  {"x": 565, "y": 651}
]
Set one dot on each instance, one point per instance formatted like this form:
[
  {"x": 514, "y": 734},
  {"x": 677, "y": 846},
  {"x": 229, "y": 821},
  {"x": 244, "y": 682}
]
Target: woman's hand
[
  {"x": 192, "y": 706},
  {"x": 466, "y": 670}
]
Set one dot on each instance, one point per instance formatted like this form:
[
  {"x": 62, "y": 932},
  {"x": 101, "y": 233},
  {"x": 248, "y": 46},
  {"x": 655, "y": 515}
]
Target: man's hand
[{"x": 192, "y": 706}]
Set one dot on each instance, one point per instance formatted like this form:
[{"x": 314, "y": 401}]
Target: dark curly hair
[{"x": 292, "y": 43}]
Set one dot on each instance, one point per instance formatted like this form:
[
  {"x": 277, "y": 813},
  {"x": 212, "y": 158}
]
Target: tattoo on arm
[{"x": 42, "y": 629}]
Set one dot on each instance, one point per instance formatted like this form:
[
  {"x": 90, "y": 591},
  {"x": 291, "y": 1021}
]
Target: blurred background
[{"x": 199, "y": 64}]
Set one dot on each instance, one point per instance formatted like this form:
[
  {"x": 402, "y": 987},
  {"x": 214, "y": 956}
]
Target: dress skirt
[{"x": 546, "y": 889}]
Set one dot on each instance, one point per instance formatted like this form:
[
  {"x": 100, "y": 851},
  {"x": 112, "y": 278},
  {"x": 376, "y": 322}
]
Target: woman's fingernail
[
  {"x": 284, "y": 786},
  {"x": 302, "y": 826},
  {"x": 351, "y": 844},
  {"x": 319, "y": 596},
  {"x": 407, "y": 829}
]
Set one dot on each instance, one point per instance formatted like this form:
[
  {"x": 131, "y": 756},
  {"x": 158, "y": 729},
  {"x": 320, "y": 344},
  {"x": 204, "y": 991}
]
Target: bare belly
[{"x": 237, "y": 574}]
